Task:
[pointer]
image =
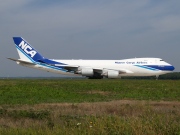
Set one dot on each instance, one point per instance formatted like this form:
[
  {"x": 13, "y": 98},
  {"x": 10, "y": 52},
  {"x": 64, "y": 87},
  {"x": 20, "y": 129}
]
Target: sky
[{"x": 91, "y": 29}]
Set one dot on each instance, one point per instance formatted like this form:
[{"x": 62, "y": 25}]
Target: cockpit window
[{"x": 161, "y": 60}]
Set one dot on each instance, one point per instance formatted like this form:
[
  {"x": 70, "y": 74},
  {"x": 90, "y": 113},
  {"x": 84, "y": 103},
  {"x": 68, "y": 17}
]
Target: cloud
[
  {"x": 74, "y": 18},
  {"x": 167, "y": 24},
  {"x": 8, "y": 4},
  {"x": 92, "y": 29}
]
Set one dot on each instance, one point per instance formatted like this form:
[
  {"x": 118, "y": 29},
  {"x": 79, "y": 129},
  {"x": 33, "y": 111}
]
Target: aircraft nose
[
  {"x": 172, "y": 68},
  {"x": 169, "y": 68}
]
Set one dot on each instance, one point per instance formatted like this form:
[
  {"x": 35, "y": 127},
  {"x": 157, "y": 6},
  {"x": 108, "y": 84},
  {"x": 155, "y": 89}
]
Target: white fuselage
[
  {"x": 93, "y": 69},
  {"x": 131, "y": 67}
]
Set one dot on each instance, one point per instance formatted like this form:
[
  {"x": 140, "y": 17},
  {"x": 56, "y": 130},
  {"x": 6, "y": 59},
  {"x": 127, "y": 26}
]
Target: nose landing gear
[{"x": 157, "y": 76}]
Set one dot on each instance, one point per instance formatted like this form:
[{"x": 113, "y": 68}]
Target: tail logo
[{"x": 28, "y": 49}]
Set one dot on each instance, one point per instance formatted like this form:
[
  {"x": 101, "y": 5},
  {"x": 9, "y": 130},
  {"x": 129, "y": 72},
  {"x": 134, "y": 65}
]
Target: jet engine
[
  {"x": 86, "y": 72},
  {"x": 111, "y": 74}
]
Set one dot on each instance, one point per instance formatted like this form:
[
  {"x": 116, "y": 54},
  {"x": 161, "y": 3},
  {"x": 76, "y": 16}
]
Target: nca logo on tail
[{"x": 27, "y": 49}]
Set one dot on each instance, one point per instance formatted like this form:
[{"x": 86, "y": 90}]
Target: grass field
[{"x": 109, "y": 106}]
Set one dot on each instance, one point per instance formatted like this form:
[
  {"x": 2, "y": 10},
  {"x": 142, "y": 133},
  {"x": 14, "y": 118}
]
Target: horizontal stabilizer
[{"x": 21, "y": 61}]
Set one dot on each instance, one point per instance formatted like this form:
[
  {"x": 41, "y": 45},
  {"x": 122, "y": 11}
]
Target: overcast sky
[{"x": 89, "y": 29}]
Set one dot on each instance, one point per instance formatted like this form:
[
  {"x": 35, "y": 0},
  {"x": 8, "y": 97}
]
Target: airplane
[{"x": 93, "y": 69}]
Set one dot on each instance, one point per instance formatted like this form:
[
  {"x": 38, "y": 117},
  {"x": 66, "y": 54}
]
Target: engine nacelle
[
  {"x": 112, "y": 74},
  {"x": 87, "y": 72}
]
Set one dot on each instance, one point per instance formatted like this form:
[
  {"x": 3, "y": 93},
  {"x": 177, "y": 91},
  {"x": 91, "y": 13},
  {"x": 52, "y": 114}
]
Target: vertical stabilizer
[{"x": 26, "y": 51}]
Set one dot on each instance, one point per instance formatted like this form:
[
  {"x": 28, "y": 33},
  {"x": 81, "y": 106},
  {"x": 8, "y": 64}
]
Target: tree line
[{"x": 169, "y": 76}]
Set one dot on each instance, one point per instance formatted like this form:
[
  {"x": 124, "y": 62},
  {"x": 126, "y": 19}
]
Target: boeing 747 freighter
[{"x": 93, "y": 69}]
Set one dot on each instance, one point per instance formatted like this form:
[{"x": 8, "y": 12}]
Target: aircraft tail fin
[{"x": 26, "y": 51}]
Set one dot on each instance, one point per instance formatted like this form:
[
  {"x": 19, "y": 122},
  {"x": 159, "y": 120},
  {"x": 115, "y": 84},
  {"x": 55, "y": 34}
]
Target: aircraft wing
[
  {"x": 69, "y": 68},
  {"x": 74, "y": 68},
  {"x": 123, "y": 71},
  {"x": 97, "y": 70},
  {"x": 21, "y": 61}
]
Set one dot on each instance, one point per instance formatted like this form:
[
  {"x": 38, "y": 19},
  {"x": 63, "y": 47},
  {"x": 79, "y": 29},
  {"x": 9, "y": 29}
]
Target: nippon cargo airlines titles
[
  {"x": 128, "y": 62},
  {"x": 93, "y": 69}
]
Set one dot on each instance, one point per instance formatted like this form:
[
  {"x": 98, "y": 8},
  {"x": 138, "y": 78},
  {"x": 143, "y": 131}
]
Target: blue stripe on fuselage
[
  {"x": 45, "y": 64},
  {"x": 157, "y": 67}
]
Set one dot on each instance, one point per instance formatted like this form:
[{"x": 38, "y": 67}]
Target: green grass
[
  {"x": 19, "y": 91},
  {"x": 127, "y": 119},
  {"x": 64, "y": 106}
]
